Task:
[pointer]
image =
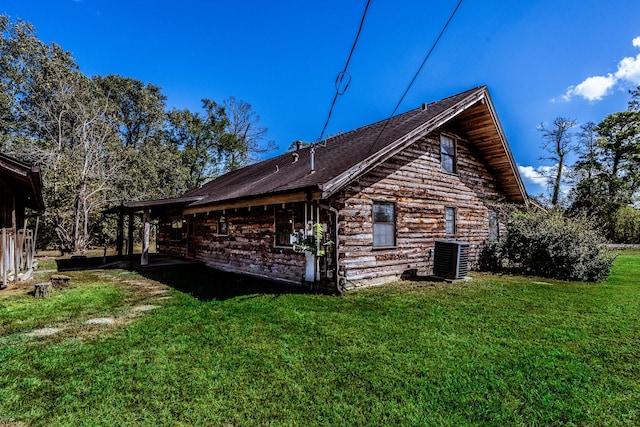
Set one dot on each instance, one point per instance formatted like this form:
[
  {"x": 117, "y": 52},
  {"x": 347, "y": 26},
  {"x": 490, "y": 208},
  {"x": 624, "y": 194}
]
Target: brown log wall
[
  {"x": 415, "y": 182},
  {"x": 248, "y": 248}
]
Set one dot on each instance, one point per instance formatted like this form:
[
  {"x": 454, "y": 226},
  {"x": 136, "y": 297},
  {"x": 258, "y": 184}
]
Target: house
[
  {"x": 361, "y": 208},
  {"x": 20, "y": 189}
]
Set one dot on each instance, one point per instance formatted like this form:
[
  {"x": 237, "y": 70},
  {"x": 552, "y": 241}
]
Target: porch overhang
[{"x": 25, "y": 180}]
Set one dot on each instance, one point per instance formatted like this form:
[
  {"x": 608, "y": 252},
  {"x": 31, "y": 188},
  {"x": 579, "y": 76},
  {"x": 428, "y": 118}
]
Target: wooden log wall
[
  {"x": 248, "y": 248},
  {"x": 415, "y": 182}
]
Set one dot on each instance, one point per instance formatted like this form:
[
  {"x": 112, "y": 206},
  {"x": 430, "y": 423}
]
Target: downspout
[{"x": 337, "y": 246}]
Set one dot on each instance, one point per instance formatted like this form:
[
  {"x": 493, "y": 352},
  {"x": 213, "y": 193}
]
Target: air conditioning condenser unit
[{"x": 451, "y": 259}]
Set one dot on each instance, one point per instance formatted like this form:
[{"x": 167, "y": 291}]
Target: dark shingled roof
[{"x": 344, "y": 157}]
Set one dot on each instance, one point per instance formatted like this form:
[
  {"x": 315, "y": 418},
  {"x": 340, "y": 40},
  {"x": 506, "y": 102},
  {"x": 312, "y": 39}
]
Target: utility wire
[
  {"x": 424, "y": 61},
  {"x": 341, "y": 75}
]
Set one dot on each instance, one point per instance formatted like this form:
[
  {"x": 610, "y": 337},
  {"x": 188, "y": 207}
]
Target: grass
[{"x": 496, "y": 350}]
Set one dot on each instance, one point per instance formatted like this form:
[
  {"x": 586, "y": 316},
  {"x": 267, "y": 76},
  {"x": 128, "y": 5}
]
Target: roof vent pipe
[
  {"x": 298, "y": 145},
  {"x": 295, "y": 156},
  {"x": 424, "y": 107},
  {"x": 312, "y": 153}
]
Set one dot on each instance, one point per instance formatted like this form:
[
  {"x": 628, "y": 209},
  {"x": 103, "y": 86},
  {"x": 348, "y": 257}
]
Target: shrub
[
  {"x": 548, "y": 244},
  {"x": 626, "y": 225}
]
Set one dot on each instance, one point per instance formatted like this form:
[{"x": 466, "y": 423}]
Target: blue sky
[{"x": 540, "y": 58}]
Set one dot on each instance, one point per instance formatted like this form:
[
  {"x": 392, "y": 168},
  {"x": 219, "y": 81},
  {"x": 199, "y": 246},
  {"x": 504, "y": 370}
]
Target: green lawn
[{"x": 495, "y": 350}]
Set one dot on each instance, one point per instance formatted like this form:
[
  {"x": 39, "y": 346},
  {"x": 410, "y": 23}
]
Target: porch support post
[
  {"x": 130, "y": 237},
  {"x": 15, "y": 241},
  {"x": 120, "y": 235},
  {"x": 146, "y": 221},
  {"x": 5, "y": 258}
]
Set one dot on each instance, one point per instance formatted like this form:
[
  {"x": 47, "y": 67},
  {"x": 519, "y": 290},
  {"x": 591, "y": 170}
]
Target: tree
[
  {"x": 59, "y": 121},
  {"x": 588, "y": 195},
  {"x": 558, "y": 143},
  {"x": 620, "y": 145},
  {"x": 588, "y": 163},
  {"x": 152, "y": 164},
  {"x": 634, "y": 103},
  {"x": 137, "y": 107},
  {"x": 104, "y": 140},
  {"x": 243, "y": 142},
  {"x": 198, "y": 138}
]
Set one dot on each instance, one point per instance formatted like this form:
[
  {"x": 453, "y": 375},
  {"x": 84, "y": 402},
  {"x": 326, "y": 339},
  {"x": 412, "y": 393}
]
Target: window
[
  {"x": 176, "y": 228},
  {"x": 448, "y": 153},
  {"x": 384, "y": 224},
  {"x": 450, "y": 221},
  {"x": 223, "y": 227},
  {"x": 284, "y": 227},
  {"x": 494, "y": 231}
]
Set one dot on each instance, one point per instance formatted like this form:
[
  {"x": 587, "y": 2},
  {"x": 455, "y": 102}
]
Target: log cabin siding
[
  {"x": 386, "y": 162},
  {"x": 248, "y": 248},
  {"x": 415, "y": 182}
]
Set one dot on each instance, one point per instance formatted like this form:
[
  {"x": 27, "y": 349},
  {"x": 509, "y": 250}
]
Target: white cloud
[
  {"x": 595, "y": 88},
  {"x": 537, "y": 179},
  {"x": 629, "y": 69},
  {"x": 533, "y": 175}
]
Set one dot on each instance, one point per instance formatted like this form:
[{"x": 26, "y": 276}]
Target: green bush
[{"x": 548, "y": 244}]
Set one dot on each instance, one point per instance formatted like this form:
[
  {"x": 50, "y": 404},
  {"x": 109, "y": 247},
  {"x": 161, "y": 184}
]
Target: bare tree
[{"x": 558, "y": 143}]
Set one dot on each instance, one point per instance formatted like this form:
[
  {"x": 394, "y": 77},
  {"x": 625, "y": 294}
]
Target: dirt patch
[
  {"x": 141, "y": 296},
  {"x": 18, "y": 288},
  {"x": 144, "y": 308},
  {"x": 43, "y": 332},
  {"x": 101, "y": 321},
  {"x": 6, "y": 423}
]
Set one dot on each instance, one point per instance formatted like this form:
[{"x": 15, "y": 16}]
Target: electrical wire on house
[
  {"x": 415, "y": 76},
  {"x": 344, "y": 78}
]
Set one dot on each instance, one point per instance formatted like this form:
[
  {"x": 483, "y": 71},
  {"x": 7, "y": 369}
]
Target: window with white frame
[
  {"x": 384, "y": 224},
  {"x": 450, "y": 221},
  {"x": 448, "y": 153}
]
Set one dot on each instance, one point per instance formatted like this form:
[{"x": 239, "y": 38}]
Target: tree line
[
  {"x": 604, "y": 181},
  {"x": 101, "y": 140}
]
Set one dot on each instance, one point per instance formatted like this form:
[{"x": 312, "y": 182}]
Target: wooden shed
[
  {"x": 20, "y": 190},
  {"x": 361, "y": 208}
]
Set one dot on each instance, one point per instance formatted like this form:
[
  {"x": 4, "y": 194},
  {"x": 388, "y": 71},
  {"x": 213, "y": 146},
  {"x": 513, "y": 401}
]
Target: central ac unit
[{"x": 451, "y": 259}]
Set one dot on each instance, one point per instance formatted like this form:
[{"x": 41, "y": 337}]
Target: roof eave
[{"x": 505, "y": 145}]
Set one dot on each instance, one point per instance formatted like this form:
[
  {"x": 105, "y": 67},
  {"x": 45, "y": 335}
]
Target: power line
[
  {"x": 344, "y": 74},
  {"x": 424, "y": 61}
]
